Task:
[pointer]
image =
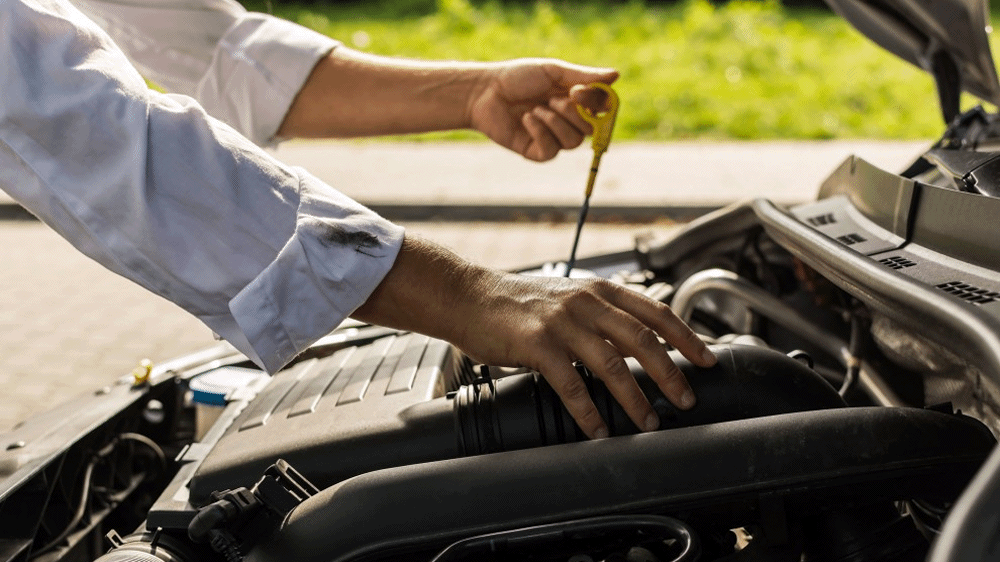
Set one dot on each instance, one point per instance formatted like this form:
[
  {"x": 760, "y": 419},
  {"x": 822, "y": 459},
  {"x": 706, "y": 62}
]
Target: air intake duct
[
  {"x": 523, "y": 411},
  {"x": 336, "y": 442}
]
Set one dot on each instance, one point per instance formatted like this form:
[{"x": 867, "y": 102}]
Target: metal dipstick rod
[{"x": 603, "y": 123}]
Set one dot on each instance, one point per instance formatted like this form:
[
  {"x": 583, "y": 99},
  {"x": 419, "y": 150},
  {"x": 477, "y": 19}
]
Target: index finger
[
  {"x": 662, "y": 319},
  {"x": 566, "y": 75}
]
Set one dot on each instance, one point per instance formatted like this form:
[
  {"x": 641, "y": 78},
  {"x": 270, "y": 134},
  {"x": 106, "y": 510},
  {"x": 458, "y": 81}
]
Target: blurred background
[
  {"x": 732, "y": 99},
  {"x": 691, "y": 69}
]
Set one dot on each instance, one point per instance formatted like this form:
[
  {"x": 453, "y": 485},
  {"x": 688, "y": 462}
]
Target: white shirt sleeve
[
  {"x": 156, "y": 190},
  {"x": 243, "y": 68}
]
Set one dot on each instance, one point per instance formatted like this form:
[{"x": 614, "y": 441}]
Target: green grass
[{"x": 744, "y": 70}]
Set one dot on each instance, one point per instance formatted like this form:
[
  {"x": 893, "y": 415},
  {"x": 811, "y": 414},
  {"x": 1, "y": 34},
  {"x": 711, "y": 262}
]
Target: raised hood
[{"x": 944, "y": 37}]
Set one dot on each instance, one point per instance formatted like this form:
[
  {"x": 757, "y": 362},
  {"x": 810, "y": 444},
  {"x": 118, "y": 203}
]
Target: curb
[
  {"x": 15, "y": 212},
  {"x": 553, "y": 214}
]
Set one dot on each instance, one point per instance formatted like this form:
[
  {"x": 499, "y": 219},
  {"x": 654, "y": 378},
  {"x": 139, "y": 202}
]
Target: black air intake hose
[
  {"x": 523, "y": 411},
  {"x": 517, "y": 412}
]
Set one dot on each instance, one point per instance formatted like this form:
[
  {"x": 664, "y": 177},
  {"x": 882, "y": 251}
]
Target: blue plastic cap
[{"x": 212, "y": 388}]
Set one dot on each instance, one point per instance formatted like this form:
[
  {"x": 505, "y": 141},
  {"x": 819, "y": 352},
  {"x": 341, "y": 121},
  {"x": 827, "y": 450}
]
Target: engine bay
[
  {"x": 852, "y": 415},
  {"x": 852, "y": 410}
]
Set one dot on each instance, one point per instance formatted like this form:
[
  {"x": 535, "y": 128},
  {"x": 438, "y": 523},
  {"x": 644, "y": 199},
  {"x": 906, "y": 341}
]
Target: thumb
[{"x": 594, "y": 99}]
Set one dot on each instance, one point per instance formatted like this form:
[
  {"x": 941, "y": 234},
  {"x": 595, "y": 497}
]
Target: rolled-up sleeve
[
  {"x": 244, "y": 68},
  {"x": 156, "y": 190}
]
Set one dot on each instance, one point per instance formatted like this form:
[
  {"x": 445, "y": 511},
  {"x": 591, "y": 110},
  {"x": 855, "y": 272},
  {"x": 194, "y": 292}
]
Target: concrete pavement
[
  {"x": 68, "y": 326},
  {"x": 684, "y": 174}
]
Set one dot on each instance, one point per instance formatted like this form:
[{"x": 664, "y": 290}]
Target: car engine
[
  {"x": 852, "y": 404},
  {"x": 851, "y": 416}
]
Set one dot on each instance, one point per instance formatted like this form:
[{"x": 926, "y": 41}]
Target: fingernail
[
  {"x": 708, "y": 357},
  {"x": 652, "y": 423},
  {"x": 601, "y": 433},
  {"x": 688, "y": 400}
]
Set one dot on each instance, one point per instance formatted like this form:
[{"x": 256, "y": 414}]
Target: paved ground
[
  {"x": 675, "y": 174},
  {"x": 68, "y": 326}
]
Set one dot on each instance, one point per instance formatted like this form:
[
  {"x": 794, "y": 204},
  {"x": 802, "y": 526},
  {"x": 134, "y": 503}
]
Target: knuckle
[
  {"x": 602, "y": 286},
  {"x": 688, "y": 337},
  {"x": 600, "y": 282},
  {"x": 663, "y": 310},
  {"x": 536, "y": 153},
  {"x": 579, "y": 297},
  {"x": 673, "y": 374},
  {"x": 574, "y": 391},
  {"x": 586, "y": 289},
  {"x": 561, "y": 309},
  {"x": 543, "y": 113},
  {"x": 646, "y": 338},
  {"x": 589, "y": 418},
  {"x": 537, "y": 335},
  {"x": 614, "y": 367}
]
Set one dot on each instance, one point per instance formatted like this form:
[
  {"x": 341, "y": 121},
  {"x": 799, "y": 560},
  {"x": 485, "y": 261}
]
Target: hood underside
[{"x": 947, "y": 38}]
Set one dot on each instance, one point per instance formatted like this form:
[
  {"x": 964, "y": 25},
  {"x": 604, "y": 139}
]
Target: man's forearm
[
  {"x": 351, "y": 94},
  {"x": 422, "y": 291},
  {"x": 541, "y": 323}
]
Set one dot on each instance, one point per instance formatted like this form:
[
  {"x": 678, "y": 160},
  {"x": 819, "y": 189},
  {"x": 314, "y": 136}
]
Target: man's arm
[
  {"x": 154, "y": 189},
  {"x": 524, "y": 105},
  {"x": 266, "y": 255},
  {"x": 544, "y": 324},
  {"x": 270, "y": 78},
  {"x": 244, "y": 68}
]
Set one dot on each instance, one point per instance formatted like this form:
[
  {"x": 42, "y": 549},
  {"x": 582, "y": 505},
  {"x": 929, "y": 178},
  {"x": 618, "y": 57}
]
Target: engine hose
[
  {"x": 524, "y": 411},
  {"x": 577, "y": 536},
  {"x": 769, "y": 306},
  {"x": 852, "y": 357},
  {"x": 81, "y": 510},
  {"x": 155, "y": 547}
]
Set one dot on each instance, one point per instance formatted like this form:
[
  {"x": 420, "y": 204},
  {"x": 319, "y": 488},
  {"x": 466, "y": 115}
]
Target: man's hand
[
  {"x": 528, "y": 105},
  {"x": 544, "y": 324}
]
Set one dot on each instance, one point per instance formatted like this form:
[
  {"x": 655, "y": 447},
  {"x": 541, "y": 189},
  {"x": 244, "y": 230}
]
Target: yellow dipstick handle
[{"x": 603, "y": 123}]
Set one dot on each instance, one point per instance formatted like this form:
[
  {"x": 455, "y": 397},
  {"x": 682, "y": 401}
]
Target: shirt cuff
[
  {"x": 258, "y": 68},
  {"x": 338, "y": 255}
]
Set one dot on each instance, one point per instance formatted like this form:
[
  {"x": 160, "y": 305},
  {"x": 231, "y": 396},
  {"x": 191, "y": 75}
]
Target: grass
[{"x": 691, "y": 70}]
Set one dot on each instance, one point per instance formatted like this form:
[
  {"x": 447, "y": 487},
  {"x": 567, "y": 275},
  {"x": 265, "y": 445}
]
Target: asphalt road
[{"x": 67, "y": 326}]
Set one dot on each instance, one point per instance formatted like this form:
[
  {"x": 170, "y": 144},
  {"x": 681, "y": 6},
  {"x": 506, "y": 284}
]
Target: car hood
[{"x": 927, "y": 32}]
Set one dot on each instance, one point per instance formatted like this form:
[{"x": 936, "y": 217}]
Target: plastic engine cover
[{"x": 334, "y": 417}]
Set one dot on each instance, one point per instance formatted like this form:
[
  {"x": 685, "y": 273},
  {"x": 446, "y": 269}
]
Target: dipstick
[{"x": 603, "y": 123}]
